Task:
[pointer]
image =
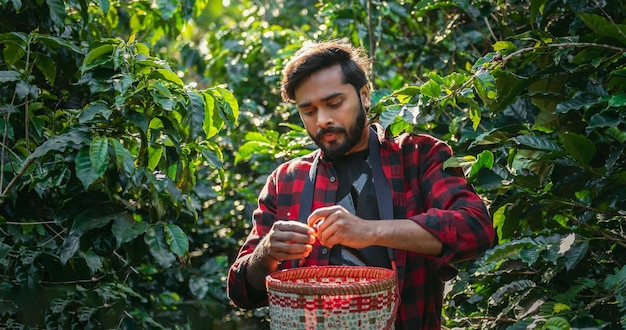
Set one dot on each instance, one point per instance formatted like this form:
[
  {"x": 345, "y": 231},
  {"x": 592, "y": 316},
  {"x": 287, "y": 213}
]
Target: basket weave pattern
[{"x": 332, "y": 297}]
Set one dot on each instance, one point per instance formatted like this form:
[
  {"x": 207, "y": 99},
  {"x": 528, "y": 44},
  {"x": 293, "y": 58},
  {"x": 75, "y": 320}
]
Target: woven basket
[{"x": 332, "y": 297}]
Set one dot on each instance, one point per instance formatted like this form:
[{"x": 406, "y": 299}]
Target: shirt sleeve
[
  {"x": 453, "y": 211},
  {"x": 238, "y": 290}
]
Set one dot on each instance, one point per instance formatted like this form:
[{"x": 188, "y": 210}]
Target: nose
[{"x": 324, "y": 118}]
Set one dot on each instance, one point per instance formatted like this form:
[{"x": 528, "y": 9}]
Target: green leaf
[
  {"x": 405, "y": 94},
  {"x": 94, "y": 217},
  {"x": 99, "y": 154},
  {"x": 154, "y": 157},
  {"x": 604, "y": 27},
  {"x": 231, "y": 108},
  {"x": 57, "y": 12},
  {"x": 74, "y": 139},
  {"x": 155, "y": 239},
  {"x": 250, "y": 148},
  {"x": 125, "y": 228},
  {"x": 8, "y": 76},
  {"x": 176, "y": 239},
  {"x": 579, "y": 101},
  {"x": 484, "y": 160},
  {"x": 617, "y": 134},
  {"x": 431, "y": 89},
  {"x": 56, "y": 42},
  {"x": 47, "y": 66},
  {"x": 475, "y": 115},
  {"x": 196, "y": 117},
  {"x": 84, "y": 170},
  {"x": 389, "y": 114},
  {"x": 464, "y": 162},
  {"x": 119, "y": 151},
  {"x": 169, "y": 76},
  {"x": 70, "y": 245},
  {"x": 4, "y": 251},
  {"x": 617, "y": 100},
  {"x": 13, "y": 52},
  {"x": 209, "y": 124},
  {"x": 485, "y": 85},
  {"x": 93, "y": 261},
  {"x": 213, "y": 155},
  {"x": 536, "y": 9},
  {"x": 576, "y": 254},
  {"x": 98, "y": 56},
  {"x": 93, "y": 109},
  {"x": 578, "y": 147},
  {"x": 510, "y": 289},
  {"x": 537, "y": 142},
  {"x": 499, "y": 218},
  {"x": 504, "y": 47},
  {"x": 557, "y": 323},
  {"x": 105, "y": 5},
  {"x": 604, "y": 119}
]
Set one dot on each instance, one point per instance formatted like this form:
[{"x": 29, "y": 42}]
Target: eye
[
  {"x": 335, "y": 104},
  {"x": 307, "y": 112}
]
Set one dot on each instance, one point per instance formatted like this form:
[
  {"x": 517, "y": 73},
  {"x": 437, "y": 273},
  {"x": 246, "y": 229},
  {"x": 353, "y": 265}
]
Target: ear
[{"x": 365, "y": 96}]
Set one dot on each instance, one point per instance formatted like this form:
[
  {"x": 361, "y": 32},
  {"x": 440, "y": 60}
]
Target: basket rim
[{"x": 378, "y": 279}]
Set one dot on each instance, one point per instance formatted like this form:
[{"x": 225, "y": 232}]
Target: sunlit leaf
[
  {"x": 97, "y": 56},
  {"x": 249, "y": 148}
]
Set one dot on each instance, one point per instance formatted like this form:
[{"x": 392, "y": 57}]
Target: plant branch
[
  {"x": 17, "y": 176},
  {"x": 499, "y": 61},
  {"x": 611, "y": 238},
  {"x": 610, "y": 18}
]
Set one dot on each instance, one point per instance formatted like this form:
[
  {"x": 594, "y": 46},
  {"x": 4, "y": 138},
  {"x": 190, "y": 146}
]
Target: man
[{"x": 360, "y": 195}]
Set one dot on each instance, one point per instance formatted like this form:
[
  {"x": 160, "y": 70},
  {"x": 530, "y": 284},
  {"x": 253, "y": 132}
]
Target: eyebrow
[{"x": 323, "y": 99}]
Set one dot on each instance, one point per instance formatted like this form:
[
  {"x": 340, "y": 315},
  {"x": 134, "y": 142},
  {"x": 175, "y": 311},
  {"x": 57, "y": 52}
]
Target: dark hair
[{"x": 313, "y": 57}]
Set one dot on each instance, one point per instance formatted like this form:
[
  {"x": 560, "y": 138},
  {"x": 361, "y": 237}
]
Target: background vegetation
[{"x": 136, "y": 135}]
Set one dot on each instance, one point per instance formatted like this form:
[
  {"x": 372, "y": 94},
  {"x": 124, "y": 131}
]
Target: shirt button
[
  {"x": 324, "y": 250},
  {"x": 332, "y": 179}
]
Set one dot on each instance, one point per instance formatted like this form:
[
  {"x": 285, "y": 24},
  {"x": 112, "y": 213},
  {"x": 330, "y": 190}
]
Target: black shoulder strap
[{"x": 383, "y": 190}]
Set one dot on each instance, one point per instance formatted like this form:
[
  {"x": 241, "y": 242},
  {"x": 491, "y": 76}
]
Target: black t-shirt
[{"x": 357, "y": 193}]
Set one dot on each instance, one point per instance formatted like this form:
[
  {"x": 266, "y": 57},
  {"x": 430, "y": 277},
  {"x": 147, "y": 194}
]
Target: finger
[
  {"x": 321, "y": 213},
  {"x": 327, "y": 234},
  {"x": 293, "y": 227},
  {"x": 290, "y": 251}
]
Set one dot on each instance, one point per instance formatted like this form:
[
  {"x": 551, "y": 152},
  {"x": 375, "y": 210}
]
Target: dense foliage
[{"x": 125, "y": 188}]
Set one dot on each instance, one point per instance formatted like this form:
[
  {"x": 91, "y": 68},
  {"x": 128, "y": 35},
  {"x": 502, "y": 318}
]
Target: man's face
[{"x": 333, "y": 113}]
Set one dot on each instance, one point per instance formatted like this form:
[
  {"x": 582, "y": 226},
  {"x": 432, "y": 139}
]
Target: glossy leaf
[
  {"x": 84, "y": 169},
  {"x": 538, "y": 142},
  {"x": 157, "y": 244},
  {"x": 176, "y": 239},
  {"x": 578, "y": 147},
  {"x": 99, "y": 154},
  {"x": 126, "y": 229}
]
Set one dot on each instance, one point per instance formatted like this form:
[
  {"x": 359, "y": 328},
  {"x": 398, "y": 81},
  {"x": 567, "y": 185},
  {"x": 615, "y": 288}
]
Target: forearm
[
  {"x": 406, "y": 235},
  {"x": 259, "y": 266}
]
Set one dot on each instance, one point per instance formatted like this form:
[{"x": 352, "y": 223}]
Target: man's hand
[
  {"x": 335, "y": 225},
  {"x": 288, "y": 240}
]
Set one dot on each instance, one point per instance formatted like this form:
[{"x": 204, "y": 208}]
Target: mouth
[
  {"x": 329, "y": 137},
  {"x": 330, "y": 134}
]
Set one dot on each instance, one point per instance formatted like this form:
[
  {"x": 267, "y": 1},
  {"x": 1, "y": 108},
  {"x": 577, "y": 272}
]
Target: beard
[{"x": 353, "y": 134}]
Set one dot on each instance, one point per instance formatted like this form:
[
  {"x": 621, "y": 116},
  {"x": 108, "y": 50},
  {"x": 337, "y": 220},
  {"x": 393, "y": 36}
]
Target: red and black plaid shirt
[{"x": 439, "y": 200}]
